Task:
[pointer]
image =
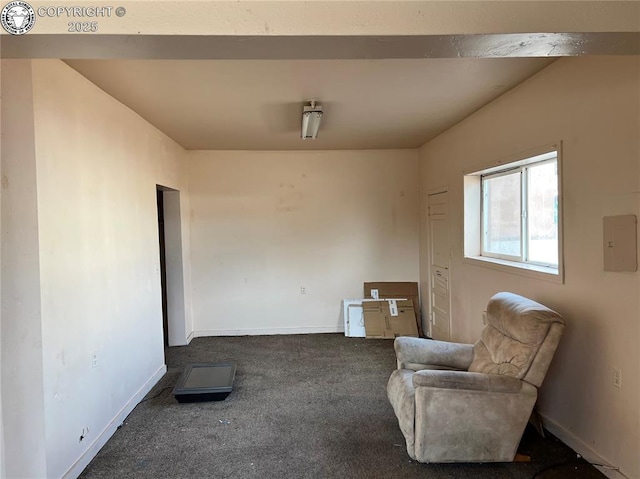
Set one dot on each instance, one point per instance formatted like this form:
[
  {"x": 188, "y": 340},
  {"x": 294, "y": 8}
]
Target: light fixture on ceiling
[{"x": 311, "y": 116}]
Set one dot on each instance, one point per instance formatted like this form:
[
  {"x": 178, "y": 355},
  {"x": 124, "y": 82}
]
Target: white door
[{"x": 439, "y": 254}]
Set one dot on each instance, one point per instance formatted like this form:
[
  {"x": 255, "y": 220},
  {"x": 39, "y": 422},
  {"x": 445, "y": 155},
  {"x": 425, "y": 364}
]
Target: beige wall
[
  {"x": 95, "y": 236},
  {"x": 592, "y": 104},
  {"x": 21, "y": 347},
  {"x": 2, "y": 461},
  {"x": 266, "y": 223}
]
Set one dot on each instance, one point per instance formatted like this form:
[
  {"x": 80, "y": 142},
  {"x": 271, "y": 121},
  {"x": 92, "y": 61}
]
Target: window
[{"x": 512, "y": 214}]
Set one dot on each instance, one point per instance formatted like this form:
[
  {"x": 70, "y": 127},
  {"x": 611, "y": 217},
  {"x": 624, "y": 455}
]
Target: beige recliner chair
[{"x": 470, "y": 403}]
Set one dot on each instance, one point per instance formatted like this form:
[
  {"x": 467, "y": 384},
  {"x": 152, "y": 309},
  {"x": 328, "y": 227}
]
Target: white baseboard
[
  {"x": 102, "y": 438},
  {"x": 182, "y": 342},
  {"x": 267, "y": 331},
  {"x": 581, "y": 448}
]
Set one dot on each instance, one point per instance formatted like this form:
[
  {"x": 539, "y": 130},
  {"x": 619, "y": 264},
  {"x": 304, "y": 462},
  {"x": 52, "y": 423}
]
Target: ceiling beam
[
  {"x": 514, "y": 45},
  {"x": 335, "y": 18}
]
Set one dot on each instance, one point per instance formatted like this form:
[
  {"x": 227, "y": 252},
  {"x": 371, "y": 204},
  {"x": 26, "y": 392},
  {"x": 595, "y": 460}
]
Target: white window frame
[
  {"x": 474, "y": 216},
  {"x": 523, "y": 171}
]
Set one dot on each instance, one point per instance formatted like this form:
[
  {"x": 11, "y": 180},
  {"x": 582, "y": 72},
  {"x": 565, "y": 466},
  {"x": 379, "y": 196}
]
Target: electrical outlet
[
  {"x": 94, "y": 360},
  {"x": 303, "y": 290},
  {"x": 617, "y": 378}
]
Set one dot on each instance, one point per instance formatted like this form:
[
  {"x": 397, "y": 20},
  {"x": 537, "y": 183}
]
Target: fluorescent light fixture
[{"x": 311, "y": 116}]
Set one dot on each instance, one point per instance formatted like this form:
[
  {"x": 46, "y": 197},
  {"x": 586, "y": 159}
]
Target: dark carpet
[{"x": 303, "y": 406}]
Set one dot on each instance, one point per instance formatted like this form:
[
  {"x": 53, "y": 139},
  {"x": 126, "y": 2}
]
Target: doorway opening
[
  {"x": 163, "y": 265},
  {"x": 174, "y": 325}
]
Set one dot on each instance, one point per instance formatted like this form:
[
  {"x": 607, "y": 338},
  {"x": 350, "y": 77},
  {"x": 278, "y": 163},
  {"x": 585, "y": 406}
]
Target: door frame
[
  {"x": 175, "y": 284},
  {"x": 431, "y": 192}
]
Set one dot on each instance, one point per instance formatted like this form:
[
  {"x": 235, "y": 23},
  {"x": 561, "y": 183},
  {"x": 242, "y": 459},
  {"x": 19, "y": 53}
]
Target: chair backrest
[{"x": 519, "y": 340}]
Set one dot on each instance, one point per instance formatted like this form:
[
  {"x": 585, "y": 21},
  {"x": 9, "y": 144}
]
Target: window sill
[{"x": 545, "y": 273}]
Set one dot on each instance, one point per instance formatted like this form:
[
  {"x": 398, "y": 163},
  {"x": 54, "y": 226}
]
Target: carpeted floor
[{"x": 303, "y": 406}]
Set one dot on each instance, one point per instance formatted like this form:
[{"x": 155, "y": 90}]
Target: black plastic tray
[{"x": 205, "y": 382}]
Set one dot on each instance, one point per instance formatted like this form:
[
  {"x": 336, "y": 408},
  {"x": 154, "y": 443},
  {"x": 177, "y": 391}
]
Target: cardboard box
[
  {"x": 390, "y": 290},
  {"x": 353, "y": 316},
  {"x": 389, "y": 319}
]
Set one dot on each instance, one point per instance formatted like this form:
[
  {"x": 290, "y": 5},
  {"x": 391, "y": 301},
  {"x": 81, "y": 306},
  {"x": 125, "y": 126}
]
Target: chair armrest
[
  {"x": 466, "y": 380},
  {"x": 431, "y": 352}
]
